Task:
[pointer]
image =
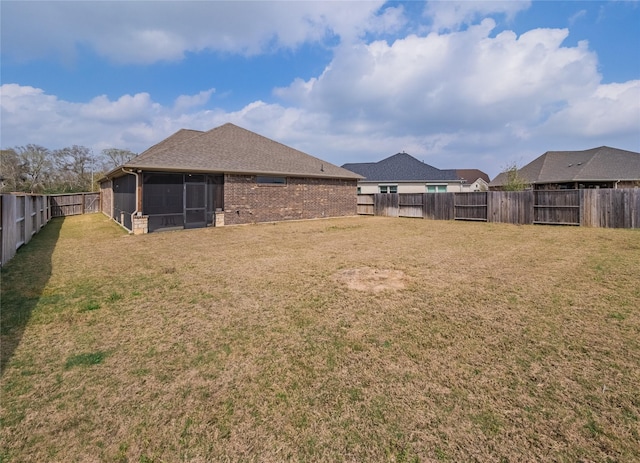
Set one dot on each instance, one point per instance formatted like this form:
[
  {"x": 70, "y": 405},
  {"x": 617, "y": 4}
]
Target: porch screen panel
[
  {"x": 162, "y": 200},
  {"x": 124, "y": 199}
]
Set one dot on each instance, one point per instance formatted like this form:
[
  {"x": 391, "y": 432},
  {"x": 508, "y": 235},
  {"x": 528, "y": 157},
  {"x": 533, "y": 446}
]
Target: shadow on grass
[{"x": 23, "y": 281}]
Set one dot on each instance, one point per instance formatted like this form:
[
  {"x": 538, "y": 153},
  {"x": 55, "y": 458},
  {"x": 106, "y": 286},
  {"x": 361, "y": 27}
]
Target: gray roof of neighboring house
[
  {"x": 400, "y": 167},
  {"x": 232, "y": 149},
  {"x": 596, "y": 164}
]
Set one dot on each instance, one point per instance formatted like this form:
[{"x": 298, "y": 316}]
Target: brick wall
[{"x": 245, "y": 201}]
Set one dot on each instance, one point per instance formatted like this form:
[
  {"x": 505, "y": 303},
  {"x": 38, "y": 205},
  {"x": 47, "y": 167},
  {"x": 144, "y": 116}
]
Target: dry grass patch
[{"x": 489, "y": 343}]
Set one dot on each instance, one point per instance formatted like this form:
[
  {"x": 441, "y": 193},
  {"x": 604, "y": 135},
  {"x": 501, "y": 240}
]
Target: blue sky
[{"x": 469, "y": 84}]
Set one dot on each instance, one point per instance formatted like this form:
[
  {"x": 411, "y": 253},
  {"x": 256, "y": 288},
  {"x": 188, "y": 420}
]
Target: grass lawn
[{"x": 355, "y": 339}]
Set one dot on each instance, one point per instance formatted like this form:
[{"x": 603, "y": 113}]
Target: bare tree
[
  {"x": 38, "y": 166},
  {"x": 74, "y": 168},
  {"x": 36, "y": 169},
  {"x": 116, "y": 157},
  {"x": 12, "y": 171}
]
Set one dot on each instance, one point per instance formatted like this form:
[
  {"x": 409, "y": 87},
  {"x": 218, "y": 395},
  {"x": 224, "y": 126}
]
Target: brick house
[{"x": 227, "y": 175}]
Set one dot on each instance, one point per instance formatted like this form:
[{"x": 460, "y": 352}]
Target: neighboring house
[
  {"x": 602, "y": 167},
  {"x": 402, "y": 173},
  {"x": 227, "y": 175},
  {"x": 474, "y": 180}
]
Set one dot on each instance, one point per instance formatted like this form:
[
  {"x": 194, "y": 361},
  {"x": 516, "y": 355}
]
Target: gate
[{"x": 64, "y": 205}]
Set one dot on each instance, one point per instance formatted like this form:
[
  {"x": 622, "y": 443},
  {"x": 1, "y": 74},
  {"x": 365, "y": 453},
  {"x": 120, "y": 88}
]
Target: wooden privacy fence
[
  {"x": 610, "y": 208},
  {"x": 74, "y": 204},
  {"x": 21, "y": 216}
]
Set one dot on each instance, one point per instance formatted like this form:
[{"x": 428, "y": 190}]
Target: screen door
[{"x": 195, "y": 206}]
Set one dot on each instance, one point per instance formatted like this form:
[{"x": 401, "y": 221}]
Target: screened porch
[{"x": 176, "y": 201}]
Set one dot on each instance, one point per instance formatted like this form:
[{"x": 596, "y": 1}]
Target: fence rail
[{"x": 607, "y": 208}]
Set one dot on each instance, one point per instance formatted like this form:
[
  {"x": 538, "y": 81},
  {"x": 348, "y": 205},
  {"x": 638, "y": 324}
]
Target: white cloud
[
  {"x": 464, "y": 80},
  {"x": 577, "y": 16},
  {"x": 185, "y": 102},
  {"x": 125, "y": 109},
  {"x": 29, "y": 115},
  {"x": 612, "y": 109},
  {"x": 146, "y": 32},
  {"x": 467, "y": 98},
  {"x": 461, "y": 99},
  {"x": 452, "y": 14}
]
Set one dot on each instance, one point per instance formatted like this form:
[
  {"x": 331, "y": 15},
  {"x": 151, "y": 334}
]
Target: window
[
  {"x": 264, "y": 180},
  {"x": 388, "y": 188},
  {"x": 359, "y": 190},
  {"x": 436, "y": 188}
]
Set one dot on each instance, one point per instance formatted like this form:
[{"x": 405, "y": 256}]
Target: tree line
[{"x": 36, "y": 169}]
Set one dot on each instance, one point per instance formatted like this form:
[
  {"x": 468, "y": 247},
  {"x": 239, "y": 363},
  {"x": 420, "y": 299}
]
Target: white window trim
[
  {"x": 388, "y": 186},
  {"x": 436, "y": 186}
]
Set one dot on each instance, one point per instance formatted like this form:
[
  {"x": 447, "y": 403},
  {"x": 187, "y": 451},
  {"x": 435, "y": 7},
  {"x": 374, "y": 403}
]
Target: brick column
[
  {"x": 140, "y": 224},
  {"x": 218, "y": 219}
]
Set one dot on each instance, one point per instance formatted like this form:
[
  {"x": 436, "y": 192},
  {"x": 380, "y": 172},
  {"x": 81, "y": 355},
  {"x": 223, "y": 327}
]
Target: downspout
[
  {"x": 110, "y": 199},
  {"x": 136, "y": 211},
  {"x": 113, "y": 202}
]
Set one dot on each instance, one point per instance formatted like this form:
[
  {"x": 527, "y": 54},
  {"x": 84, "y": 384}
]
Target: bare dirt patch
[{"x": 372, "y": 279}]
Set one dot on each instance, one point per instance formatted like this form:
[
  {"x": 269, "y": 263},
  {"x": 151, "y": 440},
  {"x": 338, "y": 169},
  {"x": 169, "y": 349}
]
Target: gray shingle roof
[
  {"x": 174, "y": 140},
  {"x": 596, "y": 164},
  {"x": 232, "y": 149},
  {"x": 401, "y": 167}
]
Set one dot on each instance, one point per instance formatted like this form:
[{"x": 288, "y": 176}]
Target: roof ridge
[
  {"x": 144, "y": 154},
  {"x": 589, "y": 161},
  {"x": 230, "y": 148}
]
